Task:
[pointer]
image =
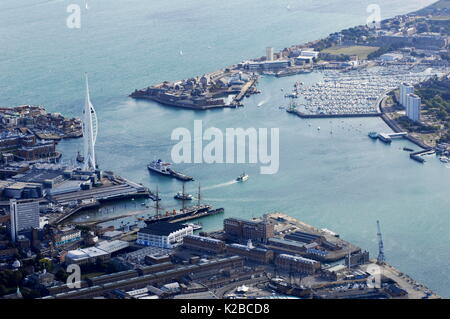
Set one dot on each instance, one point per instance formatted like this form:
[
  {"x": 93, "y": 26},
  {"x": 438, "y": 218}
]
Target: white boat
[
  {"x": 242, "y": 178},
  {"x": 444, "y": 159}
]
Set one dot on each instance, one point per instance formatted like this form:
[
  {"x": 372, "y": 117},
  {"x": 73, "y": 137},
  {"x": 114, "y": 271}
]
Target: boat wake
[
  {"x": 240, "y": 200},
  {"x": 220, "y": 185},
  {"x": 263, "y": 102}
]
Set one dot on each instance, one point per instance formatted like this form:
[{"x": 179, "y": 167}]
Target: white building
[
  {"x": 24, "y": 215},
  {"x": 269, "y": 54},
  {"x": 102, "y": 251},
  {"x": 405, "y": 89},
  {"x": 413, "y": 107},
  {"x": 390, "y": 57},
  {"x": 163, "y": 235},
  {"x": 309, "y": 52},
  {"x": 302, "y": 59}
]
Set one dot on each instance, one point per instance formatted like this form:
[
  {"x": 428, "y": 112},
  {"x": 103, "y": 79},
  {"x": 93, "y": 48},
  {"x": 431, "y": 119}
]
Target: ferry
[
  {"x": 242, "y": 178},
  {"x": 160, "y": 167},
  {"x": 373, "y": 135},
  {"x": 163, "y": 168}
]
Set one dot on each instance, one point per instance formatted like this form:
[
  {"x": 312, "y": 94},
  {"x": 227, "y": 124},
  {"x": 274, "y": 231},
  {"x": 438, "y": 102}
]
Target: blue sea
[{"x": 342, "y": 181}]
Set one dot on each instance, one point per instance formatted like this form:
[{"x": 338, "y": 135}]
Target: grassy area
[{"x": 361, "y": 51}]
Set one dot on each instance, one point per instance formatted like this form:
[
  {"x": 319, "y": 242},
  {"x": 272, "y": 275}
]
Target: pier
[
  {"x": 245, "y": 89},
  {"x": 387, "y": 137},
  {"x": 75, "y": 202},
  {"x": 324, "y": 116}
]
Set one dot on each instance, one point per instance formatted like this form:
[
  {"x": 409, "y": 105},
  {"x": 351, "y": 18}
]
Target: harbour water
[{"x": 343, "y": 181}]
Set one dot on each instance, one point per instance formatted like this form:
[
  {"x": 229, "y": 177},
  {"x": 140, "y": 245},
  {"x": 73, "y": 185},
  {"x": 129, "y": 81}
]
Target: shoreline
[
  {"x": 393, "y": 125},
  {"x": 166, "y": 96},
  {"x": 276, "y": 73}
]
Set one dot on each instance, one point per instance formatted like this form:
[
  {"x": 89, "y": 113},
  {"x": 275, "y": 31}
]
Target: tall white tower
[
  {"x": 90, "y": 125},
  {"x": 269, "y": 54}
]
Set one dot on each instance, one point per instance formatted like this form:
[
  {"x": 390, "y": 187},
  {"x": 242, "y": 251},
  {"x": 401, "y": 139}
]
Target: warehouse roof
[{"x": 162, "y": 228}]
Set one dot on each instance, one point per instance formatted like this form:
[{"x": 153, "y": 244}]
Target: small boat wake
[
  {"x": 220, "y": 185},
  {"x": 240, "y": 200},
  {"x": 263, "y": 102}
]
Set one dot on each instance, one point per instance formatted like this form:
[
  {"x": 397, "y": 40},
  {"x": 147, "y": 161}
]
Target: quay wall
[{"x": 318, "y": 116}]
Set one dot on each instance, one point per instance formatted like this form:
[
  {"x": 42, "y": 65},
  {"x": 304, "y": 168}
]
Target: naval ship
[{"x": 163, "y": 168}]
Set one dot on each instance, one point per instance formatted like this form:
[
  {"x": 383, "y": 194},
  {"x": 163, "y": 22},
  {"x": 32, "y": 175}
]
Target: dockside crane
[{"x": 381, "y": 257}]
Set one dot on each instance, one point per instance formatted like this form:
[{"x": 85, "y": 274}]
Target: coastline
[
  {"x": 159, "y": 97},
  {"x": 393, "y": 125},
  {"x": 330, "y": 222}
]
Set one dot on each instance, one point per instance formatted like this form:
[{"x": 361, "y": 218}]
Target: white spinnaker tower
[{"x": 90, "y": 126}]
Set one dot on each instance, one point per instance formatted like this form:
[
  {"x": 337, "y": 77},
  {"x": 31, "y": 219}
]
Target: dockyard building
[{"x": 163, "y": 235}]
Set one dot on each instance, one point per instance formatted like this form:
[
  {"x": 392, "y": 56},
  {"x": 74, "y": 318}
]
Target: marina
[{"x": 354, "y": 93}]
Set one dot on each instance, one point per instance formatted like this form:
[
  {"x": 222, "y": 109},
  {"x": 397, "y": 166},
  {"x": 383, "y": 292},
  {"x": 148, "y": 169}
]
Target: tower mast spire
[{"x": 90, "y": 125}]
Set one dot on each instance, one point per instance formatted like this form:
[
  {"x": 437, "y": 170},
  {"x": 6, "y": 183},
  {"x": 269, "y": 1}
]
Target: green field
[{"x": 361, "y": 51}]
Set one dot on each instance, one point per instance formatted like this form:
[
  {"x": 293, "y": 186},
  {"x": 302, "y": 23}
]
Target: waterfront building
[
  {"x": 24, "y": 215},
  {"x": 309, "y": 52},
  {"x": 22, "y": 145},
  {"x": 259, "y": 255},
  {"x": 266, "y": 65},
  {"x": 405, "y": 89},
  {"x": 302, "y": 59},
  {"x": 207, "y": 244},
  {"x": 241, "y": 229},
  {"x": 90, "y": 125},
  {"x": 413, "y": 107},
  {"x": 269, "y": 54},
  {"x": 163, "y": 235},
  {"x": 297, "y": 264}
]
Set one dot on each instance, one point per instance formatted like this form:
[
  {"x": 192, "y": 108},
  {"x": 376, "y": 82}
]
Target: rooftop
[{"x": 162, "y": 228}]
